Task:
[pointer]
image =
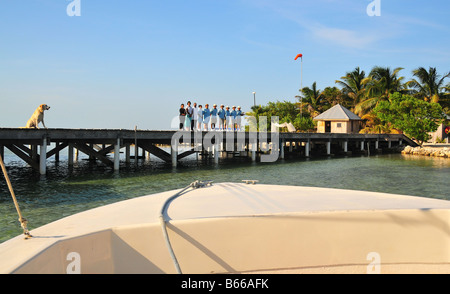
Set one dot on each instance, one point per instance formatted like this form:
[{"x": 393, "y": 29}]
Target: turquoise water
[{"x": 65, "y": 191}]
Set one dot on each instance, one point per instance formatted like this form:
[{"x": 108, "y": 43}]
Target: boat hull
[{"x": 272, "y": 229}]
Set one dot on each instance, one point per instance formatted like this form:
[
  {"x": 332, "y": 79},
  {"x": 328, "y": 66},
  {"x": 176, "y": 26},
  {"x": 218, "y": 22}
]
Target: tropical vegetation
[
  {"x": 372, "y": 96},
  {"x": 415, "y": 117}
]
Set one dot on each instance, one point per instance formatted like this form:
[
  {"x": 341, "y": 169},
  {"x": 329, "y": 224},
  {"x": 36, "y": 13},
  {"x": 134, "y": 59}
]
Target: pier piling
[
  {"x": 307, "y": 148},
  {"x": 174, "y": 153},
  {"x": 43, "y": 157},
  {"x": 117, "y": 155},
  {"x": 70, "y": 154}
]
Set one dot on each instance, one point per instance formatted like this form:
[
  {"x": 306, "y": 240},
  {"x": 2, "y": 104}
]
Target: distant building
[
  {"x": 439, "y": 135},
  {"x": 338, "y": 119}
]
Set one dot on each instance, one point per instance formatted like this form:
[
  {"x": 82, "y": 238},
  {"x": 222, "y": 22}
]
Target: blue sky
[{"x": 126, "y": 63}]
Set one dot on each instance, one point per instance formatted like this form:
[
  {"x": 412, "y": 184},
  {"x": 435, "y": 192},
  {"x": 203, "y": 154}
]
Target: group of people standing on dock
[{"x": 195, "y": 118}]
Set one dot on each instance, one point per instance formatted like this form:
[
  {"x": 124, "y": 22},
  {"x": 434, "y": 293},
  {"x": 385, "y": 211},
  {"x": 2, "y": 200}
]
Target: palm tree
[
  {"x": 381, "y": 84},
  {"x": 386, "y": 81},
  {"x": 354, "y": 86},
  {"x": 373, "y": 125},
  {"x": 430, "y": 85},
  {"x": 313, "y": 100},
  {"x": 444, "y": 99}
]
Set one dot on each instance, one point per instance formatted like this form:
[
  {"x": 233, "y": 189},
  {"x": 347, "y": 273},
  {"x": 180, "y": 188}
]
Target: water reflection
[{"x": 65, "y": 191}]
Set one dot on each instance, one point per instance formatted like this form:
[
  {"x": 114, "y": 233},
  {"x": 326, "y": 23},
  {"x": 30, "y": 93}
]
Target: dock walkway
[{"x": 32, "y": 145}]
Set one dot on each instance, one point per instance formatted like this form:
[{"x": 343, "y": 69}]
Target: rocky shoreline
[{"x": 427, "y": 151}]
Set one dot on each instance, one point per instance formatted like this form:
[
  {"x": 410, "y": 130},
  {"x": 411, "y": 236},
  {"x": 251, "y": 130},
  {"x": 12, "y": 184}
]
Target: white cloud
[
  {"x": 343, "y": 37},
  {"x": 305, "y": 15}
]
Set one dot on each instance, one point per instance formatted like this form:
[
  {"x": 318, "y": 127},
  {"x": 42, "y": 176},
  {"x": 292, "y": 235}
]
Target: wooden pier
[{"x": 32, "y": 145}]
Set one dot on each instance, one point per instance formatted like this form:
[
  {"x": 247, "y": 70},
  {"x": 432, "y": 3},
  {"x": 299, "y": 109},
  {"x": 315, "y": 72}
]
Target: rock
[
  {"x": 427, "y": 151},
  {"x": 407, "y": 149}
]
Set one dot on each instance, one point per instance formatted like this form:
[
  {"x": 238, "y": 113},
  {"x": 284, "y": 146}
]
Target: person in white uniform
[
  {"x": 199, "y": 117},
  {"x": 239, "y": 115}
]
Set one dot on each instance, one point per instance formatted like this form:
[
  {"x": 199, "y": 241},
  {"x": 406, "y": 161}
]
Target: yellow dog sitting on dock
[{"x": 37, "y": 117}]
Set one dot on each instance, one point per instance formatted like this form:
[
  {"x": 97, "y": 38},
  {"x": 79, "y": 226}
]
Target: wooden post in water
[
  {"x": 70, "y": 155},
  {"x": 43, "y": 157},
  {"x": 34, "y": 152},
  {"x": 254, "y": 147},
  {"x": 90, "y": 155},
  {"x": 136, "y": 151},
  {"x": 117, "y": 155},
  {"x": 174, "y": 153},
  {"x": 307, "y": 148},
  {"x": 127, "y": 153},
  {"x": 57, "y": 153},
  {"x": 216, "y": 151}
]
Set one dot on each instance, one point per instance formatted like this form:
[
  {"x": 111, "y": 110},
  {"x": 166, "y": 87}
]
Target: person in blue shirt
[
  {"x": 233, "y": 118},
  {"x": 227, "y": 117},
  {"x": 222, "y": 115},
  {"x": 214, "y": 117},
  {"x": 239, "y": 114},
  {"x": 206, "y": 117}
]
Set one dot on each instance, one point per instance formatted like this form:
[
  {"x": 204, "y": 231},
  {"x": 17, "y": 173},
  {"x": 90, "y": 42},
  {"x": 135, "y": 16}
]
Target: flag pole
[
  {"x": 301, "y": 87},
  {"x": 301, "y": 81},
  {"x": 301, "y": 73}
]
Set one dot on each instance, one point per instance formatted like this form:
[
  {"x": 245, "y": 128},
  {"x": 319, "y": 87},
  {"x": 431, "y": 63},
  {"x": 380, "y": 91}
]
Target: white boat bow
[{"x": 242, "y": 228}]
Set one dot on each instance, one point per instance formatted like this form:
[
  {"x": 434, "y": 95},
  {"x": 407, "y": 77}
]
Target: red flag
[{"x": 299, "y": 55}]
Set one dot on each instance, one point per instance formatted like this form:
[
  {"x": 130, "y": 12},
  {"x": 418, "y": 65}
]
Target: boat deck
[{"x": 199, "y": 218}]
